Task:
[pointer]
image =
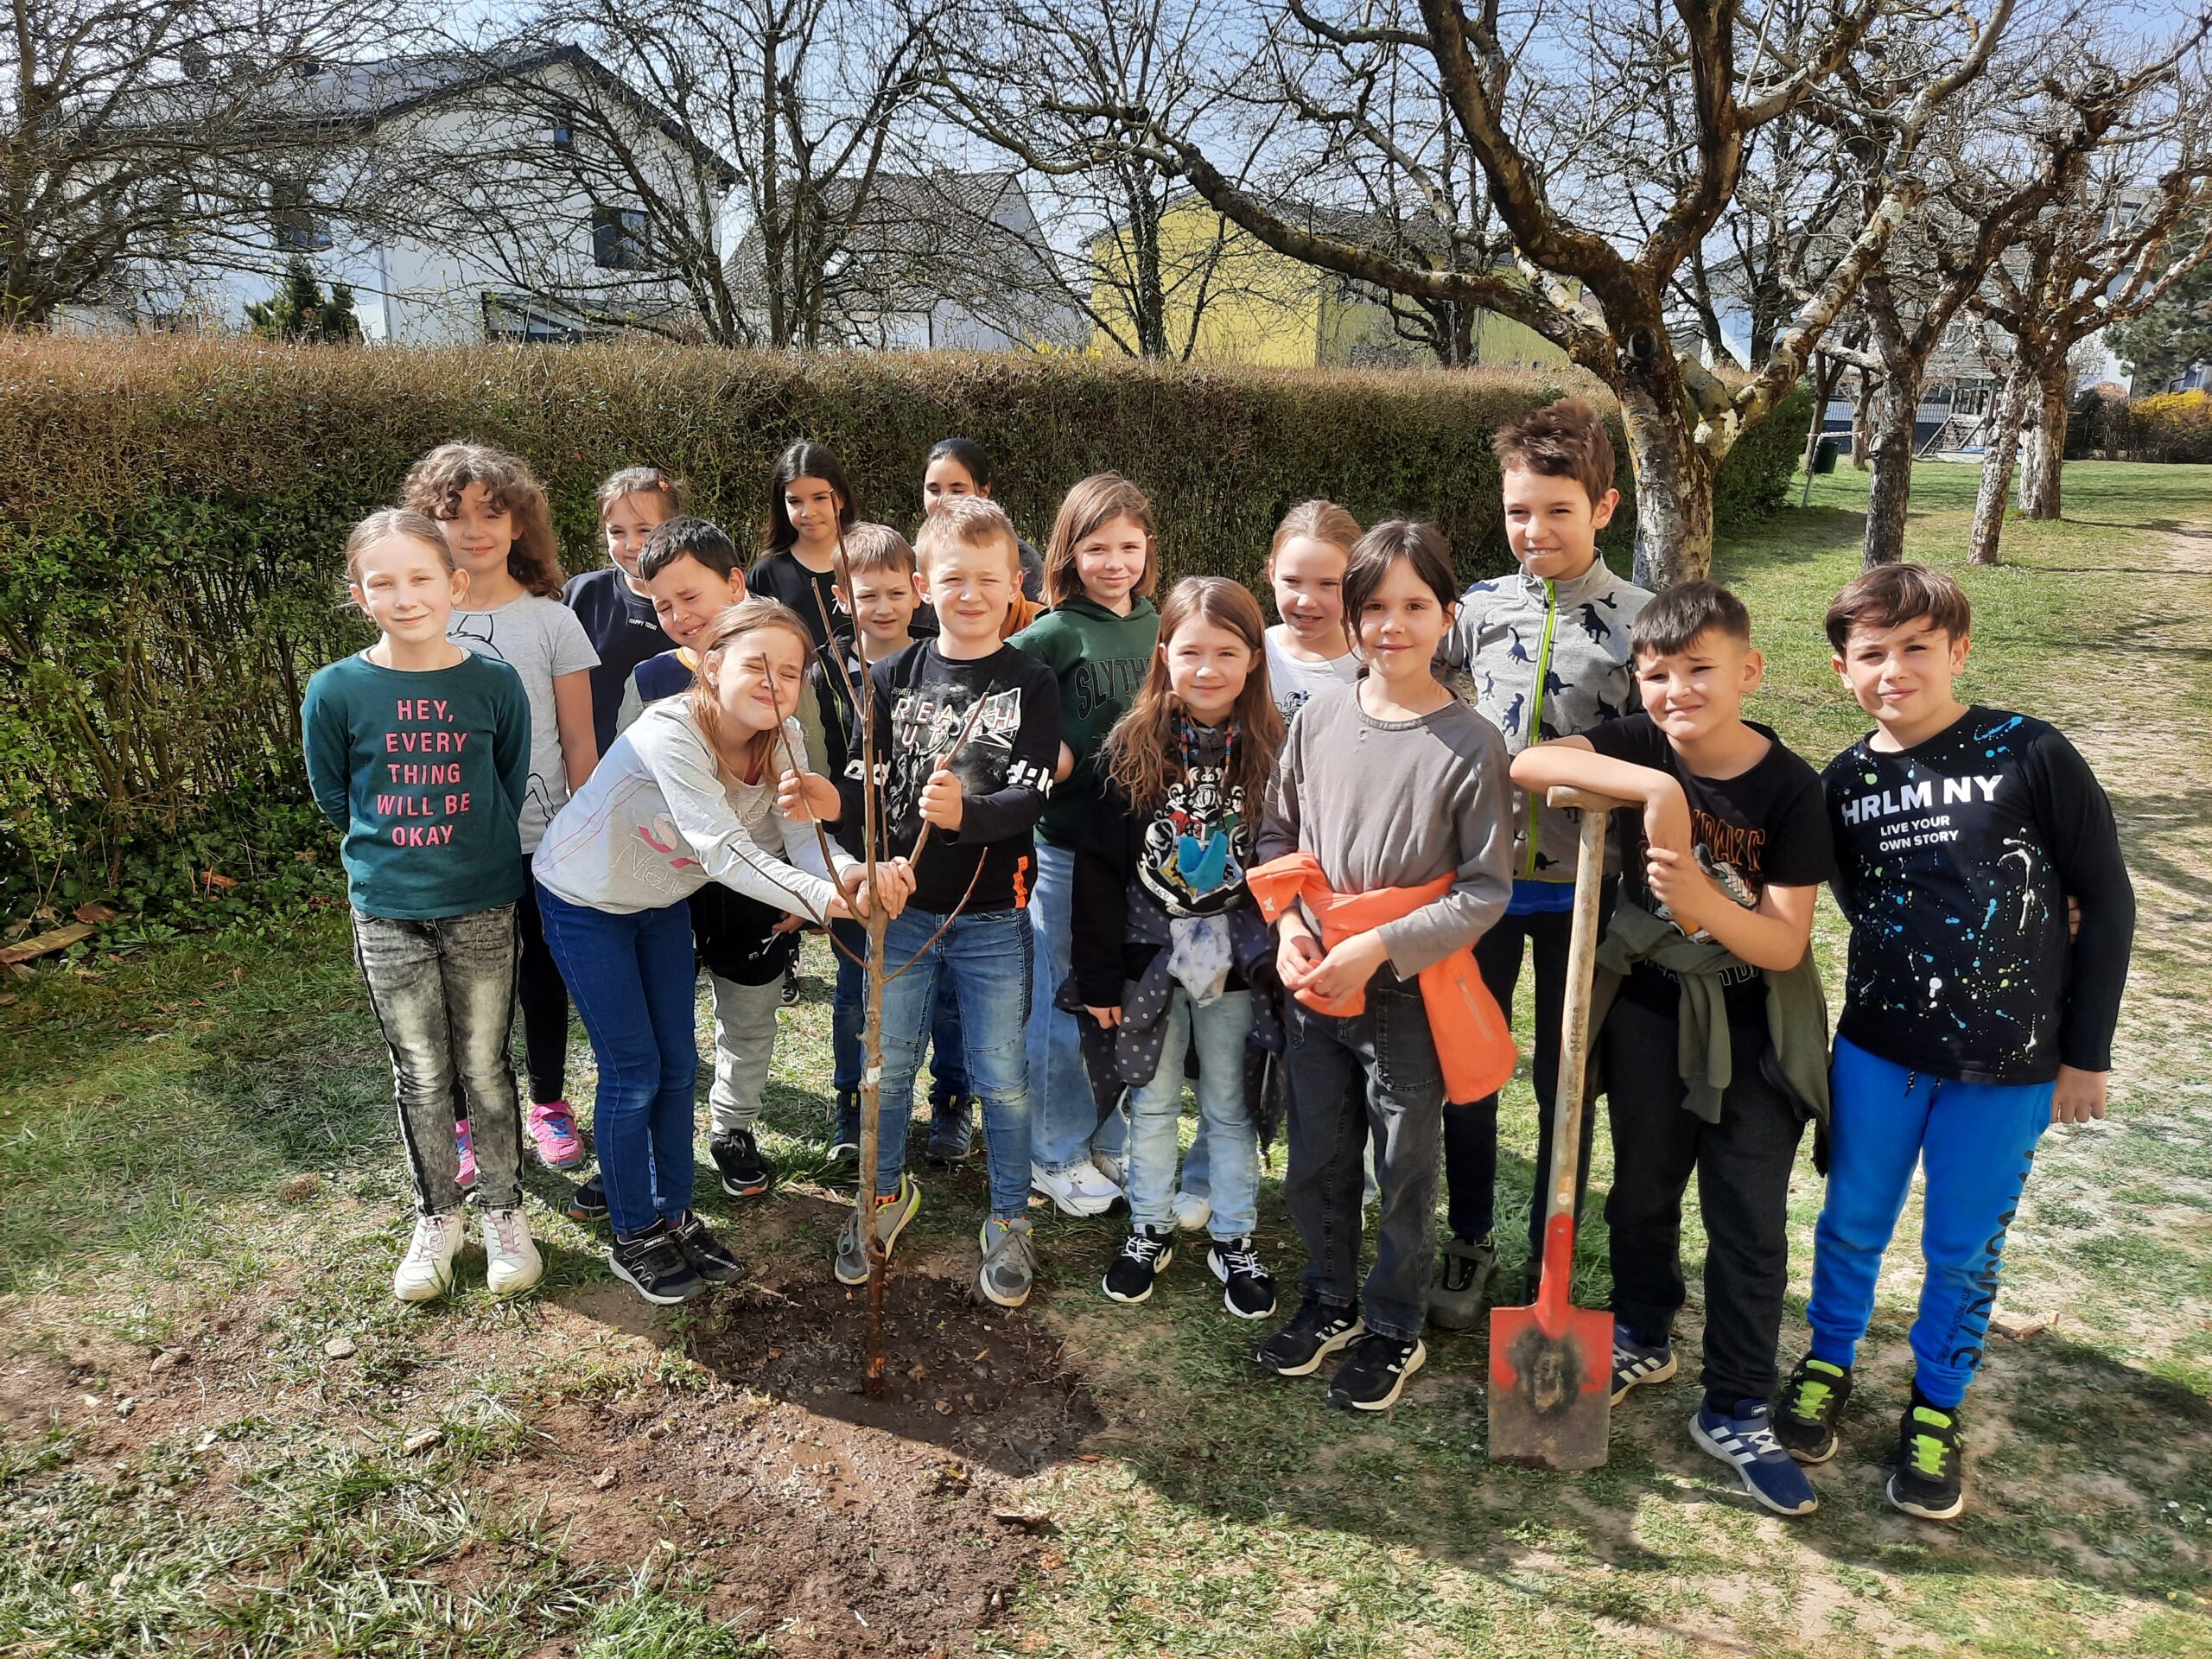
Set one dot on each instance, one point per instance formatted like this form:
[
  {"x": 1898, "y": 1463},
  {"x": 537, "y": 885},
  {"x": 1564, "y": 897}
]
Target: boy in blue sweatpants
[{"x": 1970, "y": 1019}]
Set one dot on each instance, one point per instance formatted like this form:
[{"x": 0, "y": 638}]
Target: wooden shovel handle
[{"x": 1552, "y": 1300}]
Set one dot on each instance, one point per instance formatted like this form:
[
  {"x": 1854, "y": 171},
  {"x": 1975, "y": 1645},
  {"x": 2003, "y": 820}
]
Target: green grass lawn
[{"x": 200, "y": 1189}]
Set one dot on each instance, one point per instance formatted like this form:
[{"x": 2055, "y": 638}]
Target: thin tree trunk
[
  {"x": 1889, "y": 491},
  {"x": 1861, "y": 420},
  {"x": 2040, "y": 475},
  {"x": 1673, "y": 495},
  {"x": 1826, "y": 372},
  {"x": 1997, "y": 463}
]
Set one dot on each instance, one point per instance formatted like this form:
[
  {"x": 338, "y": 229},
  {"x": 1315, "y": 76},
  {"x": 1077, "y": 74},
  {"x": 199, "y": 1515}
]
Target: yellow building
[{"x": 1226, "y": 297}]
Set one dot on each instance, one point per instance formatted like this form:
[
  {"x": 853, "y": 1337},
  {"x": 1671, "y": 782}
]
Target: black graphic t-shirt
[
  {"x": 1767, "y": 826},
  {"x": 1955, "y": 859},
  {"x": 923, "y": 702}
]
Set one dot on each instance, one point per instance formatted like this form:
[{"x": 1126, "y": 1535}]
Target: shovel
[{"x": 1551, "y": 1364}]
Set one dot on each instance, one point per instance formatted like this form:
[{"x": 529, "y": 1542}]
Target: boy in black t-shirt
[
  {"x": 1713, "y": 1047},
  {"x": 968, "y": 730},
  {"x": 1970, "y": 1019}
]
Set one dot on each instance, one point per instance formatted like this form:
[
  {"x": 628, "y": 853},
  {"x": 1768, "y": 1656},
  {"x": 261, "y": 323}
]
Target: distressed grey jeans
[{"x": 443, "y": 991}]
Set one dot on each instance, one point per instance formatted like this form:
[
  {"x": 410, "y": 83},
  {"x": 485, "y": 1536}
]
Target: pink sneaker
[
  {"x": 553, "y": 1132},
  {"x": 465, "y": 1176}
]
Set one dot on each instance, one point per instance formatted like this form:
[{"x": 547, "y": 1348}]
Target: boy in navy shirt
[{"x": 1971, "y": 1019}]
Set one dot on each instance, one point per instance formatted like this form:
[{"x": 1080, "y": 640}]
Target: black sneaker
[
  {"x": 1144, "y": 1257},
  {"x": 952, "y": 1129},
  {"x": 789, "y": 997},
  {"x": 1374, "y": 1372},
  {"x": 845, "y": 1135},
  {"x": 1250, "y": 1292},
  {"x": 587, "y": 1203},
  {"x": 1926, "y": 1482},
  {"x": 654, "y": 1265},
  {"x": 744, "y": 1173},
  {"x": 1314, "y": 1332},
  {"x": 709, "y": 1257},
  {"x": 1813, "y": 1398}
]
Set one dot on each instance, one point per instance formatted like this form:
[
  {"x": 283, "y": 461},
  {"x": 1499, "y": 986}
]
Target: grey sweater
[
  {"x": 1395, "y": 803},
  {"x": 1541, "y": 660}
]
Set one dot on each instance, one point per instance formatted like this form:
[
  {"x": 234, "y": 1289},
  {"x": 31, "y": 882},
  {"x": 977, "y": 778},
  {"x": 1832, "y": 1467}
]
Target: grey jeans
[
  {"x": 443, "y": 991},
  {"x": 1372, "y": 1078},
  {"x": 744, "y": 1042}
]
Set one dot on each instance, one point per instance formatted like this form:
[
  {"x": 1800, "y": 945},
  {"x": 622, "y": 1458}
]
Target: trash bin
[{"x": 1824, "y": 455}]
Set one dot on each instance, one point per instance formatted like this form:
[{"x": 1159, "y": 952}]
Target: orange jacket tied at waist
[{"x": 1474, "y": 1044}]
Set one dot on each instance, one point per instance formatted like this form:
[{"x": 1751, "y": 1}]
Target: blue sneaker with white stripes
[
  {"x": 1636, "y": 1362},
  {"x": 1744, "y": 1441}
]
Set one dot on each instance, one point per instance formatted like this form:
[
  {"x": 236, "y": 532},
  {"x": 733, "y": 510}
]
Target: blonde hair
[
  {"x": 746, "y": 616},
  {"x": 394, "y": 521},
  {"x": 435, "y": 485},
  {"x": 968, "y": 521},
  {"x": 1142, "y": 753},
  {"x": 878, "y": 547},
  {"x": 1093, "y": 504},
  {"x": 642, "y": 481},
  {"x": 1318, "y": 521}
]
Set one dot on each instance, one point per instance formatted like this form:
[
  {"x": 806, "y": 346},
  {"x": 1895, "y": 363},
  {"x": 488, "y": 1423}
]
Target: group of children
[{"x": 1114, "y": 848}]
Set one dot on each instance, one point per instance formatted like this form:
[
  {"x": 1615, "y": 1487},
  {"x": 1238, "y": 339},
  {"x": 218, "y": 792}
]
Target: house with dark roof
[
  {"x": 461, "y": 196},
  {"x": 939, "y": 261}
]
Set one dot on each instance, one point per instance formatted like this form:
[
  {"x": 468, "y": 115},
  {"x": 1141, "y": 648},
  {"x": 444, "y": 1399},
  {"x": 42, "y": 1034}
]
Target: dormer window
[{"x": 294, "y": 222}]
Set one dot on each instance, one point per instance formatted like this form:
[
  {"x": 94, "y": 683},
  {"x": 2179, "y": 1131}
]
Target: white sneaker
[
  {"x": 426, "y": 1271},
  {"x": 1113, "y": 1168},
  {"x": 511, "y": 1263},
  {"x": 1192, "y": 1212},
  {"x": 1078, "y": 1191}
]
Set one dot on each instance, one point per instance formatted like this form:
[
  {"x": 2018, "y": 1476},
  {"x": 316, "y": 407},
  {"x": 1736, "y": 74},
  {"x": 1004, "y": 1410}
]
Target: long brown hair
[
  {"x": 435, "y": 485},
  {"x": 746, "y": 616},
  {"x": 1093, "y": 504},
  {"x": 1142, "y": 751}
]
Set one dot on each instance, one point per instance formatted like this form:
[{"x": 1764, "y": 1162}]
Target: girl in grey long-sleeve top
[{"x": 1390, "y": 782}]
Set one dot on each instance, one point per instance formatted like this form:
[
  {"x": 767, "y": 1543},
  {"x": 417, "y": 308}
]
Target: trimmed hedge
[{"x": 172, "y": 510}]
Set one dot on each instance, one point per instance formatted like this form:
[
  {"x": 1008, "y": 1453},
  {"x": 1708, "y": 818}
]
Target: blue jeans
[
  {"x": 1068, "y": 1128},
  {"x": 1374, "y": 1074},
  {"x": 848, "y": 1021},
  {"x": 1219, "y": 1030},
  {"x": 987, "y": 961},
  {"x": 633, "y": 978},
  {"x": 1977, "y": 1141}
]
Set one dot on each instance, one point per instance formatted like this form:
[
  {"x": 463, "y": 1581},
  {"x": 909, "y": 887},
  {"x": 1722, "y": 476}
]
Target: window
[
  {"x": 564, "y": 135},
  {"x": 618, "y": 239},
  {"x": 293, "y": 220}
]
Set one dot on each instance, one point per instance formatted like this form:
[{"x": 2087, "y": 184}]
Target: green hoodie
[{"x": 1100, "y": 660}]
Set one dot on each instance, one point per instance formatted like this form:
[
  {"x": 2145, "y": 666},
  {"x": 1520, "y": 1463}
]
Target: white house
[{"x": 460, "y": 204}]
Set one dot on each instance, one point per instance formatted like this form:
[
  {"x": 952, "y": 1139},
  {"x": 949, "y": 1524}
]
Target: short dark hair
[
  {"x": 1560, "y": 440},
  {"x": 1422, "y": 545},
  {"x": 1891, "y": 595},
  {"x": 1675, "y": 618},
  {"x": 687, "y": 538}
]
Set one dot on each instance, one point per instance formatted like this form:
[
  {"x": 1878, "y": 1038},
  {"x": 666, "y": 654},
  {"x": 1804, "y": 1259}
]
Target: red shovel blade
[{"x": 1551, "y": 1371}]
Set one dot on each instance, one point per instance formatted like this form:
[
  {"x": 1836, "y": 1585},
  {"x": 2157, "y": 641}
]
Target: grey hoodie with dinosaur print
[{"x": 1541, "y": 660}]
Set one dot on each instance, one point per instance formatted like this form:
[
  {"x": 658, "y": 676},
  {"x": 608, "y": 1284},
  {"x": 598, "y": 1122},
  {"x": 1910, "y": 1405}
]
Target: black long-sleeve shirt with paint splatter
[{"x": 1955, "y": 859}]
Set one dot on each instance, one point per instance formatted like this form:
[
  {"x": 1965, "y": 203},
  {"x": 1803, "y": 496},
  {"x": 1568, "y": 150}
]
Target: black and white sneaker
[
  {"x": 1926, "y": 1481},
  {"x": 1744, "y": 1440},
  {"x": 1637, "y": 1362},
  {"x": 744, "y": 1173},
  {"x": 711, "y": 1258},
  {"x": 1314, "y": 1332},
  {"x": 587, "y": 1203},
  {"x": 654, "y": 1266},
  {"x": 1250, "y": 1289},
  {"x": 789, "y": 997},
  {"x": 952, "y": 1129},
  {"x": 1145, "y": 1255},
  {"x": 845, "y": 1135},
  {"x": 1811, "y": 1400},
  {"x": 1374, "y": 1372}
]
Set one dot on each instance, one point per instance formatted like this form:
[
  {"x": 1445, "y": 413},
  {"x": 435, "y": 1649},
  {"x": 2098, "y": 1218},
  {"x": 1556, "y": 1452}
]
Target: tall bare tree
[
  {"x": 135, "y": 135},
  {"x": 1586, "y": 279},
  {"x": 2135, "y": 228}
]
